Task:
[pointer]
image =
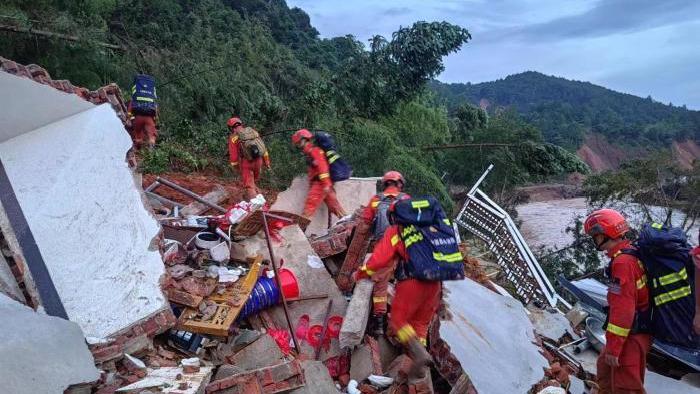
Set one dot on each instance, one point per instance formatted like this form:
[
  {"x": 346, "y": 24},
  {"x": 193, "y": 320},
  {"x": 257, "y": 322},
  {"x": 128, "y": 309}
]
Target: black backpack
[
  {"x": 430, "y": 241},
  {"x": 665, "y": 253},
  {"x": 381, "y": 218},
  {"x": 143, "y": 95},
  {"x": 340, "y": 170}
]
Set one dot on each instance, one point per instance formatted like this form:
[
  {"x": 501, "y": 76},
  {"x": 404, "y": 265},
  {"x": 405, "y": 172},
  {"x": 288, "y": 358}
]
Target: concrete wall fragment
[
  {"x": 492, "y": 338},
  {"x": 40, "y": 353},
  {"x": 351, "y": 193},
  {"x": 83, "y": 207}
]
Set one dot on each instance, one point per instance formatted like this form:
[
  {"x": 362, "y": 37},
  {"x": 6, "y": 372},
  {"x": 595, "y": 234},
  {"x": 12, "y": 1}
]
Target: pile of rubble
[{"x": 171, "y": 285}]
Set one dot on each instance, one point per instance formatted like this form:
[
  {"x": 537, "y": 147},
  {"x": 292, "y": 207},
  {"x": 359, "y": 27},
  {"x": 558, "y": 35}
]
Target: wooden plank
[{"x": 229, "y": 305}]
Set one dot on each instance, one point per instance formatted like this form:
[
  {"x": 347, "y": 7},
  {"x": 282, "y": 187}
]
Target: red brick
[{"x": 107, "y": 353}]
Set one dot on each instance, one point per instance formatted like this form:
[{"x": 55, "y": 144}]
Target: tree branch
[{"x": 60, "y": 36}]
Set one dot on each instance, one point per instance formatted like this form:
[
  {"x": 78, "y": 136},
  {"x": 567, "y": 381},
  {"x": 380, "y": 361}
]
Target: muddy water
[{"x": 544, "y": 223}]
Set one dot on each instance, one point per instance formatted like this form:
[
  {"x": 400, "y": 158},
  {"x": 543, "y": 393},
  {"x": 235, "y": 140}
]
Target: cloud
[
  {"x": 614, "y": 16},
  {"x": 643, "y": 47}
]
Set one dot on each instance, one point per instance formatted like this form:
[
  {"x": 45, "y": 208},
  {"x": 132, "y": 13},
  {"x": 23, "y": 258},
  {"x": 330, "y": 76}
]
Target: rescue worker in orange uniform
[
  {"x": 415, "y": 302},
  {"x": 318, "y": 170},
  {"x": 249, "y": 169},
  {"x": 622, "y": 363},
  {"x": 393, "y": 184},
  {"x": 143, "y": 128}
]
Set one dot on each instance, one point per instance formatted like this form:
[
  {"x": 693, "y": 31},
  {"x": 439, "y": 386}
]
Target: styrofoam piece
[
  {"x": 497, "y": 329},
  {"x": 220, "y": 252},
  {"x": 40, "y": 353},
  {"x": 314, "y": 261},
  {"x": 168, "y": 380},
  {"x": 86, "y": 212}
]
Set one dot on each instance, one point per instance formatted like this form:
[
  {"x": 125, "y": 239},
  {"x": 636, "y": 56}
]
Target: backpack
[
  {"x": 431, "y": 245},
  {"x": 252, "y": 144},
  {"x": 143, "y": 95},
  {"x": 381, "y": 218},
  {"x": 339, "y": 170},
  {"x": 665, "y": 253}
]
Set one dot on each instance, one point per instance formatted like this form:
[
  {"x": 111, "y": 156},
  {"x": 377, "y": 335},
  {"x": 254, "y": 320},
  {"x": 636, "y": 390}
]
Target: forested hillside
[
  {"x": 564, "y": 110},
  {"x": 265, "y": 62}
]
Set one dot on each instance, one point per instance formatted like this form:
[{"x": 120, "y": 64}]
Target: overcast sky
[{"x": 643, "y": 47}]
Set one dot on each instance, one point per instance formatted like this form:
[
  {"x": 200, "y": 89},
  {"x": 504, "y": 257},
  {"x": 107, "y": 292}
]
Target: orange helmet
[
  {"x": 233, "y": 122},
  {"x": 393, "y": 176},
  {"x": 302, "y": 133},
  {"x": 608, "y": 222}
]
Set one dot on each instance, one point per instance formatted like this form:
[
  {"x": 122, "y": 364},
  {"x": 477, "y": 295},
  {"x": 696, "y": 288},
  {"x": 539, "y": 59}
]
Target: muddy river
[{"x": 544, "y": 223}]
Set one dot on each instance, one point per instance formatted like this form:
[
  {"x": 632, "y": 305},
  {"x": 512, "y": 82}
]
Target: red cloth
[
  {"x": 248, "y": 169},
  {"x": 380, "y": 291},
  {"x": 627, "y": 295},
  {"x": 628, "y": 378},
  {"x": 415, "y": 304},
  {"x": 320, "y": 192},
  {"x": 370, "y": 210},
  {"x": 144, "y": 130},
  {"x": 318, "y": 169},
  {"x": 416, "y": 301}
]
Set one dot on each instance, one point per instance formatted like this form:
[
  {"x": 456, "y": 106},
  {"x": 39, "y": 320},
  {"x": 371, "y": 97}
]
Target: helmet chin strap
[{"x": 599, "y": 246}]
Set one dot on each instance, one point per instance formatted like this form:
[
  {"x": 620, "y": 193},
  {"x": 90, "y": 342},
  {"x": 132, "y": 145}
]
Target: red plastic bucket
[{"x": 290, "y": 285}]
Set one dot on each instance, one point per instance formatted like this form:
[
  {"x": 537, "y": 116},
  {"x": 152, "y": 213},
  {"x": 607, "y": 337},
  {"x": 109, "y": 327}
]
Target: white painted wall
[
  {"x": 26, "y": 105},
  {"x": 492, "y": 338},
  {"x": 86, "y": 212}
]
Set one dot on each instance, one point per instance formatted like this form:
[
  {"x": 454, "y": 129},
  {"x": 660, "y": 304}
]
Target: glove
[
  {"x": 234, "y": 165},
  {"x": 362, "y": 273}
]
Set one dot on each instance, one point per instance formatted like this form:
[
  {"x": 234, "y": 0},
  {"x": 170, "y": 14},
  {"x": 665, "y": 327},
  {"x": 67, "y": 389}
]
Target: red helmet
[
  {"x": 393, "y": 176},
  {"x": 233, "y": 122},
  {"x": 608, "y": 222},
  {"x": 302, "y": 133}
]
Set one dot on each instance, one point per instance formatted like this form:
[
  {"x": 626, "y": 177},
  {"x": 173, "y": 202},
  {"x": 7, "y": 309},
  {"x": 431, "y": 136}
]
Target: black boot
[{"x": 378, "y": 322}]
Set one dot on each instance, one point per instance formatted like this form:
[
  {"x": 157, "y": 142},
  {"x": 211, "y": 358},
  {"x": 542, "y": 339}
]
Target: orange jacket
[
  {"x": 234, "y": 151},
  {"x": 628, "y": 294},
  {"x": 318, "y": 169},
  {"x": 386, "y": 250},
  {"x": 370, "y": 210}
]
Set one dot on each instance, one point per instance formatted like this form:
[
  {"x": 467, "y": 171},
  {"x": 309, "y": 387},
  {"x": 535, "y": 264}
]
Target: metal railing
[{"x": 489, "y": 222}]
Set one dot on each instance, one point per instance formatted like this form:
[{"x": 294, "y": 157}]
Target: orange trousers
[
  {"x": 628, "y": 378},
  {"x": 250, "y": 173},
  {"x": 414, "y": 305},
  {"x": 380, "y": 291},
  {"x": 317, "y": 195},
  {"x": 144, "y": 130}
]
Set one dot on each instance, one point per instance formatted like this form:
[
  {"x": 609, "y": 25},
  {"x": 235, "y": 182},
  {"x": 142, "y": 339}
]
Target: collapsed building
[{"x": 113, "y": 283}]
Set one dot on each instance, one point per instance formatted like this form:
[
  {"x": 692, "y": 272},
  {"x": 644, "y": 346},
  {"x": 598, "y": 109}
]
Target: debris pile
[{"x": 172, "y": 284}]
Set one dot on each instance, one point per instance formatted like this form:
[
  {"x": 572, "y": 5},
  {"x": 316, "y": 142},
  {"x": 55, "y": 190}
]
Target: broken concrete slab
[
  {"x": 655, "y": 383},
  {"x": 361, "y": 363},
  {"x": 497, "y": 329},
  {"x": 318, "y": 381},
  {"x": 269, "y": 380},
  {"x": 40, "y": 353},
  {"x": 352, "y": 194},
  {"x": 294, "y": 251},
  {"x": 83, "y": 207},
  {"x": 171, "y": 380},
  {"x": 551, "y": 324},
  {"x": 357, "y": 314},
  {"x": 262, "y": 352}
]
